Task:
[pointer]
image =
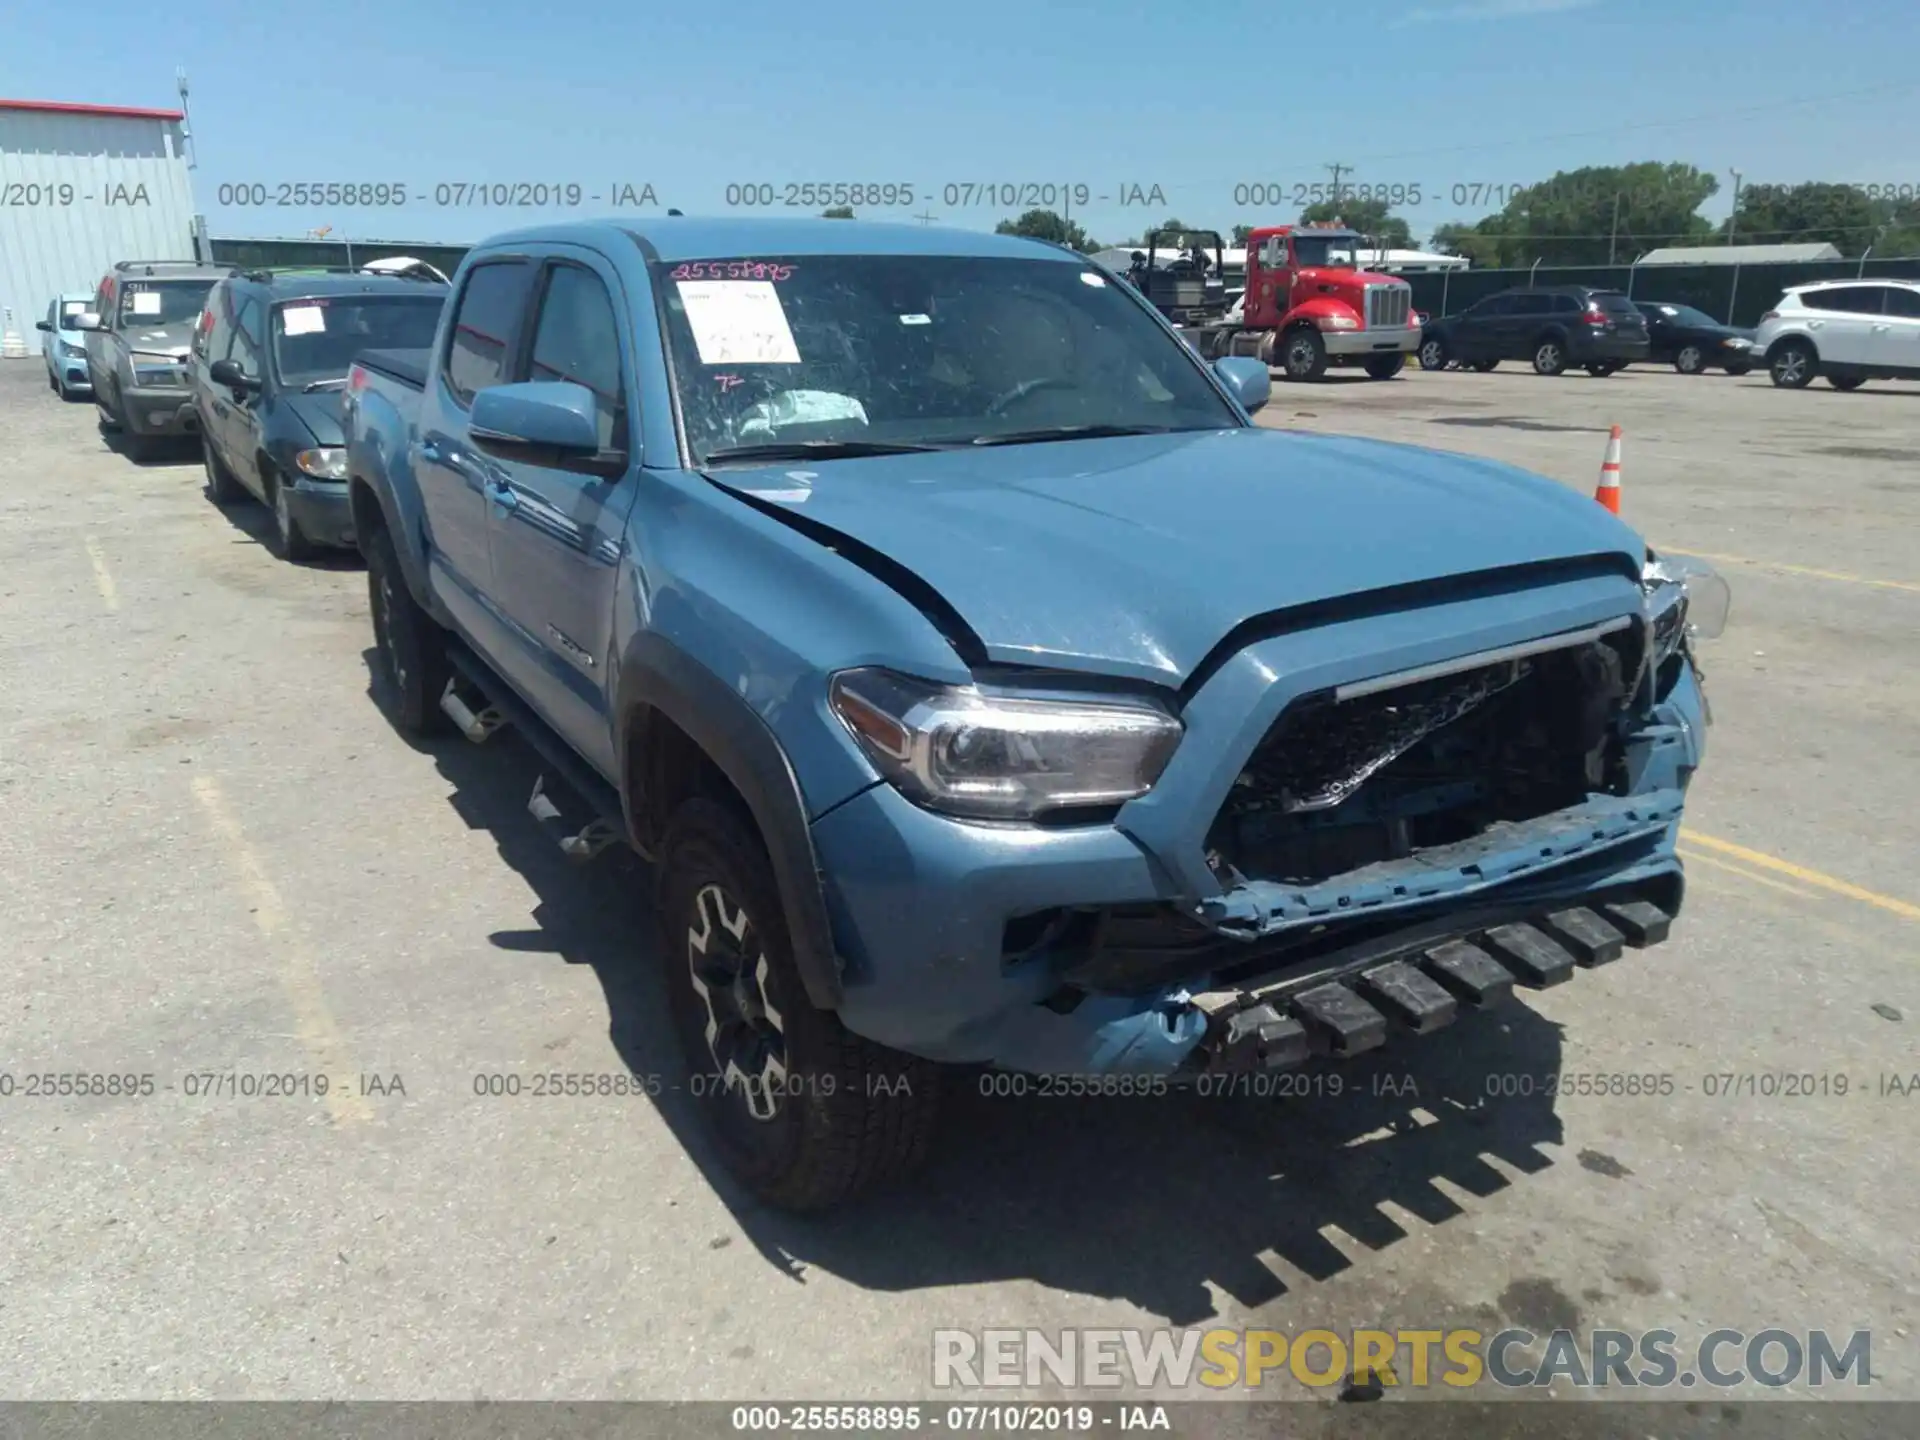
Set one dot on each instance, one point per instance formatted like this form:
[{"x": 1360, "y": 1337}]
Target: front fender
[
  {"x": 382, "y": 491},
  {"x": 658, "y": 678}
]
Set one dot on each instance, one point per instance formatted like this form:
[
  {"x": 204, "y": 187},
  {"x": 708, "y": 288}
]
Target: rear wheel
[
  {"x": 1385, "y": 367},
  {"x": 411, "y": 648},
  {"x": 222, "y": 488},
  {"x": 1793, "y": 365},
  {"x": 1846, "y": 382},
  {"x": 1484, "y": 367},
  {"x": 1303, "y": 355},
  {"x": 1602, "y": 370},
  {"x": 805, "y": 1112},
  {"x": 1550, "y": 356},
  {"x": 1433, "y": 354},
  {"x": 1691, "y": 360}
]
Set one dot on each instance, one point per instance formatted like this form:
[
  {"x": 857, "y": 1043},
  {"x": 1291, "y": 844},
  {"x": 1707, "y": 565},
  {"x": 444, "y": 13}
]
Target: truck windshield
[
  {"x": 316, "y": 339},
  {"x": 162, "y": 302},
  {"x": 1329, "y": 252},
  {"x": 920, "y": 350}
]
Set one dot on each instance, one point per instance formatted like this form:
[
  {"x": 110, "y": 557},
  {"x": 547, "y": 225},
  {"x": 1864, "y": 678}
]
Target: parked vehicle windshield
[
  {"x": 317, "y": 338},
  {"x": 905, "y": 351},
  {"x": 162, "y": 302},
  {"x": 1336, "y": 251},
  {"x": 1687, "y": 315}
]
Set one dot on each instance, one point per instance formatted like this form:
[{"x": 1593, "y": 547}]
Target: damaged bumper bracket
[{"x": 1282, "y": 1023}]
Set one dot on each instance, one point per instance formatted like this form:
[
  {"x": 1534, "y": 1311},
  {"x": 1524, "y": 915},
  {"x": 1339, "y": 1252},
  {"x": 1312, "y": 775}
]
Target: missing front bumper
[{"x": 1349, "y": 1003}]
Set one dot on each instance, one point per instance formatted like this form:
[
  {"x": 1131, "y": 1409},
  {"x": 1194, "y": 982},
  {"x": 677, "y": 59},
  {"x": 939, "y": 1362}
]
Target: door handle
[
  {"x": 430, "y": 452},
  {"x": 503, "y": 496},
  {"x": 1878, "y": 328}
]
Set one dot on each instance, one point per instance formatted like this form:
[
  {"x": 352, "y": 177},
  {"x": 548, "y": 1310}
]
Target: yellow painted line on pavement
[
  {"x": 1802, "y": 570},
  {"x": 1694, "y": 857},
  {"x": 102, "y": 577},
  {"x": 318, "y": 1032},
  {"x": 1904, "y": 909}
]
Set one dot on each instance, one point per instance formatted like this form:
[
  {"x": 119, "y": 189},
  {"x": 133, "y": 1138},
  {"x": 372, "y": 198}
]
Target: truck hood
[
  {"x": 1338, "y": 275},
  {"x": 1136, "y": 555}
]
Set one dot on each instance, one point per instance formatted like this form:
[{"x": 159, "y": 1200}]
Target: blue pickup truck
[{"x": 989, "y": 690}]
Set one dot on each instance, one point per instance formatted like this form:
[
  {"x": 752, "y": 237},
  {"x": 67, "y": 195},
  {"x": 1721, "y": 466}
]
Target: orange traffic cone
[{"x": 1608, "y": 490}]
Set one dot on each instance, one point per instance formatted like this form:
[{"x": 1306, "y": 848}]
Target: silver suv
[
  {"x": 138, "y": 333},
  {"x": 1850, "y": 331}
]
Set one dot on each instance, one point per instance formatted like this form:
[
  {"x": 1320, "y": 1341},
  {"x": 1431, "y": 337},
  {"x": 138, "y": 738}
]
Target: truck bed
[{"x": 407, "y": 366}]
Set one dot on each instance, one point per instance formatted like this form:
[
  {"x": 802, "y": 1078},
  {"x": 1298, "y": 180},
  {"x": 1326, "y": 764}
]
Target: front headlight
[
  {"x": 1734, "y": 342},
  {"x": 1336, "y": 322},
  {"x": 966, "y": 752},
  {"x": 1685, "y": 599},
  {"x": 329, "y": 462}
]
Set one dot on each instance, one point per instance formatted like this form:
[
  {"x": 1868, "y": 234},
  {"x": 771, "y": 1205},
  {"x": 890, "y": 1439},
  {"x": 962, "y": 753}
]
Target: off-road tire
[
  {"x": 1549, "y": 355},
  {"x": 1385, "y": 367},
  {"x": 853, "y": 1115},
  {"x": 222, "y": 488},
  {"x": 411, "y": 648}
]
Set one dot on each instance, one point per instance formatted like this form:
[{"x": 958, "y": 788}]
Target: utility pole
[
  {"x": 1733, "y": 219},
  {"x": 186, "y": 121},
  {"x": 1338, "y": 170}
]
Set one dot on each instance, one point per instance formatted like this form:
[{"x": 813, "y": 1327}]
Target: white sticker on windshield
[
  {"x": 738, "y": 322},
  {"x": 303, "y": 319},
  {"x": 1087, "y": 277},
  {"x": 916, "y": 319},
  {"x": 146, "y": 302}
]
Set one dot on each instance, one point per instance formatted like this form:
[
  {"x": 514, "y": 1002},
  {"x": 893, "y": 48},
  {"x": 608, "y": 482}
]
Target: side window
[
  {"x": 578, "y": 339},
  {"x": 1903, "y": 302},
  {"x": 247, "y": 338},
  {"x": 208, "y": 331},
  {"x": 1846, "y": 300},
  {"x": 1530, "y": 302},
  {"x": 1566, "y": 305},
  {"x": 103, "y": 301},
  {"x": 485, "y": 326},
  {"x": 1499, "y": 305}
]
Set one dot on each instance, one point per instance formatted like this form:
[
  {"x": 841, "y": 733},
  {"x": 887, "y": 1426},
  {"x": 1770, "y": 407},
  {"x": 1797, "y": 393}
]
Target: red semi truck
[{"x": 1308, "y": 305}]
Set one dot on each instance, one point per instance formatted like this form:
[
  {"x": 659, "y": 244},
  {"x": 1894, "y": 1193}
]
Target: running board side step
[{"x": 501, "y": 707}]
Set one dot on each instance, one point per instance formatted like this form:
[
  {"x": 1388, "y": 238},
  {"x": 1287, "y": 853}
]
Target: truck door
[
  {"x": 1896, "y": 334},
  {"x": 1841, "y": 322},
  {"x": 454, "y": 476},
  {"x": 557, "y": 534}
]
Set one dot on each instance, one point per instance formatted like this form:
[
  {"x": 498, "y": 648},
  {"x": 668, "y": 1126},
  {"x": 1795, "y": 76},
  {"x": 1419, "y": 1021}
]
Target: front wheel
[
  {"x": 1691, "y": 360},
  {"x": 1550, "y": 356},
  {"x": 1433, "y": 354},
  {"x": 1303, "y": 355},
  {"x": 1385, "y": 367},
  {"x": 289, "y": 539},
  {"x": 411, "y": 648},
  {"x": 1846, "y": 382},
  {"x": 1792, "y": 365},
  {"x": 805, "y": 1112},
  {"x": 1601, "y": 371},
  {"x": 222, "y": 488},
  {"x": 1484, "y": 367}
]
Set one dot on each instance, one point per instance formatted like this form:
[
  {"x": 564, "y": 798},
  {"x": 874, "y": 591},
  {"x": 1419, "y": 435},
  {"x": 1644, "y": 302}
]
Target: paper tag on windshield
[
  {"x": 303, "y": 319},
  {"x": 738, "y": 322},
  {"x": 146, "y": 302}
]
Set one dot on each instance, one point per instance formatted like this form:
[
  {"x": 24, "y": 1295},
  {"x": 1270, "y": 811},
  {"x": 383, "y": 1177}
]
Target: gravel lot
[{"x": 221, "y": 857}]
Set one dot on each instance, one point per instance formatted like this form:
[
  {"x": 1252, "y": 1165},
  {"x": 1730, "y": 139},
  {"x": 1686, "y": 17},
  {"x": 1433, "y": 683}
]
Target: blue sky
[{"x": 687, "y": 98}]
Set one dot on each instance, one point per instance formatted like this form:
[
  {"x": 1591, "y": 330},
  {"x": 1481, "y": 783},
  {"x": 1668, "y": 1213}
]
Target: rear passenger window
[
  {"x": 1566, "y": 305},
  {"x": 577, "y": 339},
  {"x": 1847, "y": 300},
  {"x": 484, "y": 326},
  {"x": 1903, "y": 302}
]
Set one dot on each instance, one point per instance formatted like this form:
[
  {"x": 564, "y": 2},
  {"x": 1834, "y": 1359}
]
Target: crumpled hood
[
  {"x": 1136, "y": 555},
  {"x": 320, "y": 413}
]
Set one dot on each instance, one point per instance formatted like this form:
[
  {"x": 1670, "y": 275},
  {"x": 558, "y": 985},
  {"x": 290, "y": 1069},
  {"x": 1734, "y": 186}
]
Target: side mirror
[
  {"x": 229, "y": 373},
  {"x": 43, "y": 325},
  {"x": 543, "y": 422},
  {"x": 1247, "y": 379}
]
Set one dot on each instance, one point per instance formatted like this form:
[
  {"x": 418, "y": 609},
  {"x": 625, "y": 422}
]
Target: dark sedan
[{"x": 1692, "y": 341}]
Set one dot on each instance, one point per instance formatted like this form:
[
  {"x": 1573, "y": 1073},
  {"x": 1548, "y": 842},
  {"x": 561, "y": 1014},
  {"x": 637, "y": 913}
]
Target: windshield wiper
[
  {"x": 1069, "y": 432},
  {"x": 816, "y": 450},
  {"x": 323, "y": 385}
]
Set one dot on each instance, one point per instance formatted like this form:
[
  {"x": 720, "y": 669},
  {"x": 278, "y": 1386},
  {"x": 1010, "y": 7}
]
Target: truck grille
[{"x": 1388, "y": 306}]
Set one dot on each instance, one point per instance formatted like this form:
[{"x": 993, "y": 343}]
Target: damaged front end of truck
[{"x": 1402, "y": 847}]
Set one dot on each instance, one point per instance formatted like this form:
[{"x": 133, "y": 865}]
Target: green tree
[
  {"x": 1047, "y": 225},
  {"x": 1842, "y": 215},
  {"x": 1467, "y": 240},
  {"x": 838, "y": 212},
  {"x": 1369, "y": 217},
  {"x": 1591, "y": 215}
]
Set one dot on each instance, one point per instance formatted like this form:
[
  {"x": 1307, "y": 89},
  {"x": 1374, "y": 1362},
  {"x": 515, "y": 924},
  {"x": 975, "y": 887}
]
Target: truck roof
[{"x": 692, "y": 237}]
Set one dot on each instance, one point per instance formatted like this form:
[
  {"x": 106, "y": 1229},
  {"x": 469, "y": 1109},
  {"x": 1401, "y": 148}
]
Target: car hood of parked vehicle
[
  {"x": 320, "y": 413},
  {"x": 1135, "y": 556}
]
